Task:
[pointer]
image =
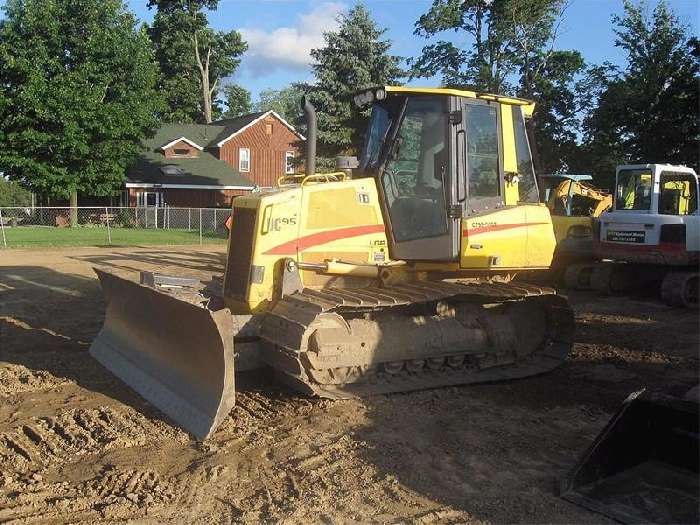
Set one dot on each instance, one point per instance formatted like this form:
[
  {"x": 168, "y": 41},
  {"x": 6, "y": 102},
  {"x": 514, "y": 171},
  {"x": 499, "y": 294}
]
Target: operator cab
[
  {"x": 440, "y": 155},
  {"x": 656, "y": 189}
]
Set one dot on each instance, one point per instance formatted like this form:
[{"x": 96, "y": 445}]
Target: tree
[
  {"x": 193, "y": 57},
  {"x": 509, "y": 50},
  {"x": 555, "y": 122},
  {"x": 12, "y": 194},
  {"x": 647, "y": 112},
  {"x": 354, "y": 57},
  {"x": 503, "y": 35},
  {"x": 286, "y": 102},
  {"x": 77, "y": 94},
  {"x": 237, "y": 99}
]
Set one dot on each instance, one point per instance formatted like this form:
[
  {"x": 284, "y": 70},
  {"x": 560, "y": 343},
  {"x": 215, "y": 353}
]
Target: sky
[{"x": 280, "y": 33}]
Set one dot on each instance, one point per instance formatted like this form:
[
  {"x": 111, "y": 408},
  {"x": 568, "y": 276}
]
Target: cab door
[
  {"x": 494, "y": 234},
  {"x": 417, "y": 184}
]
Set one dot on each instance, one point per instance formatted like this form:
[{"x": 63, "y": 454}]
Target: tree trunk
[
  {"x": 74, "y": 208},
  {"x": 206, "y": 98}
]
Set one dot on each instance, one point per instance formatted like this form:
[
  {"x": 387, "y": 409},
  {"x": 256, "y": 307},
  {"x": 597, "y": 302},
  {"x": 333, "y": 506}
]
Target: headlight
[{"x": 364, "y": 98}]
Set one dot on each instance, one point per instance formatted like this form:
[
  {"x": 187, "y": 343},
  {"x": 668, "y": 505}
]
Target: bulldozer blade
[
  {"x": 643, "y": 466},
  {"x": 175, "y": 354}
]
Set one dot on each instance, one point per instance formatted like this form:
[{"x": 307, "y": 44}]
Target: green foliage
[
  {"x": 179, "y": 78},
  {"x": 648, "y": 111},
  {"x": 509, "y": 51},
  {"x": 286, "y": 102},
  {"x": 503, "y": 34},
  {"x": 556, "y": 119},
  {"x": 12, "y": 194},
  {"x": 354, "y": 58},
  {"x": 237, "y": 99},
  {"x": 193, "y": 58},
  {"x": 77, "y": 94}
]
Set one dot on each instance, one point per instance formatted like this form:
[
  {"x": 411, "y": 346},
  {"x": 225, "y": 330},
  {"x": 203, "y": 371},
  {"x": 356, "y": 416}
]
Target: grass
[{"x": 46, "y": 236}]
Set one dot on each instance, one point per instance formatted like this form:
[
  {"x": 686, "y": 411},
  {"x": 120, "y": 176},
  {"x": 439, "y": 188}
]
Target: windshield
[
  {"x": 383, "y": 115},
  {"x": 634, "y": 190}
]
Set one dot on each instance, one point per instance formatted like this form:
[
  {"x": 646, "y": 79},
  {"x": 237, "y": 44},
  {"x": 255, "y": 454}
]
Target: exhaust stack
[{"x": 311, "y": 126}]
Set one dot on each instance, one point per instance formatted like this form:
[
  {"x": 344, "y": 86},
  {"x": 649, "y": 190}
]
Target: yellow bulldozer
[{"x": 396, "y": 278}]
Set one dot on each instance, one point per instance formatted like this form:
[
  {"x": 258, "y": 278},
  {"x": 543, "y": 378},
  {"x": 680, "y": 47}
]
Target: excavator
[
  {"x": 651, "y": 239},
  {"x": 396, "y": 278},
  {"x": 575, "y": 205}
]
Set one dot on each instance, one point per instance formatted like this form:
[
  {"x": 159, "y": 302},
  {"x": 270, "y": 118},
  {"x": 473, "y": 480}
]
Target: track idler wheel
[
  {"x": 680, "y": 289},
  {"x": 612, "y": 278},
  {"x": 578, "y": 276}
]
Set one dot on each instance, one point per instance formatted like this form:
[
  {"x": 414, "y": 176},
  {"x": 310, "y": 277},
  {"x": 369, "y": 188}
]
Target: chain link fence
[{"x": 64, "y": 226}]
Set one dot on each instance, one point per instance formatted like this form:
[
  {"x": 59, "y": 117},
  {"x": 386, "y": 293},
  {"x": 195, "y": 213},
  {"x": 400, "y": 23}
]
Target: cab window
[
  {"x": 527, "y": 186},
  {"x": 678, "y": 194},
  {"x": 634, "y": 190},
  {"x": 482, "y": 151}
]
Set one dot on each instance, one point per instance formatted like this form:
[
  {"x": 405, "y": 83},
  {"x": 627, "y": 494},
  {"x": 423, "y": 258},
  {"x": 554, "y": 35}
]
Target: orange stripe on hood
[{"x": 307, "y": 241}]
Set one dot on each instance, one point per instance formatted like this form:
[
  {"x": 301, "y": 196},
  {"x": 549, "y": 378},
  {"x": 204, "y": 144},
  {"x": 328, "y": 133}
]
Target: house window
[
  {"x": 181, "y": 152},
  {"x": 268, "y": 129},
  {"x": 243, "y": 159},
  {"x": 169, "y": 169},
  {"x": 289, "y": 162}
]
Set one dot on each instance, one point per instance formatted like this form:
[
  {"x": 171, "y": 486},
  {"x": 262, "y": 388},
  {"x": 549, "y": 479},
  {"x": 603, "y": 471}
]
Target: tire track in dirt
[
  {"x": 31, "y": 452},
  {"x": 17, "y": 379}
]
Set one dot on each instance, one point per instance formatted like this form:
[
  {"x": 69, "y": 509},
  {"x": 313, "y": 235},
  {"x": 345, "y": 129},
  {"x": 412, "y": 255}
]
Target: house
[{"x": 204, "y": 165}]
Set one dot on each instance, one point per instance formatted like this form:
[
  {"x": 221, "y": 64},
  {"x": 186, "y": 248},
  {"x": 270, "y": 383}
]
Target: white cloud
[{"x": 289, "y": 47}]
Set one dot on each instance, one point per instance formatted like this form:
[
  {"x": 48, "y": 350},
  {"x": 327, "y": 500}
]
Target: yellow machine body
[{"x": 324, "y": 219}]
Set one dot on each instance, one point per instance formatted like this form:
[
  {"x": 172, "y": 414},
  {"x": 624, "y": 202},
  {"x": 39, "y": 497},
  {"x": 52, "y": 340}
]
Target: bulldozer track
[{"x": 289, "y": 326}]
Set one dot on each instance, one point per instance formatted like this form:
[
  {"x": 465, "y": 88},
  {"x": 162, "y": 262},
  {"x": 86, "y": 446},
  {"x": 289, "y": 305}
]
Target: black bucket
[{"x": 643, "y": 466}]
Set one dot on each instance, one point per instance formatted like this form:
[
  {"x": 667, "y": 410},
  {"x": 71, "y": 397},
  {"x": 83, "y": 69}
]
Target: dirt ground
[{"x": 76, "y": 445}]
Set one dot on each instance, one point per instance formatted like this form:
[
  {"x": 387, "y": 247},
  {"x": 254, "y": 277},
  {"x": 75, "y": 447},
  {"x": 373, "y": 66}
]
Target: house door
[{"x": 150, "y": 201}]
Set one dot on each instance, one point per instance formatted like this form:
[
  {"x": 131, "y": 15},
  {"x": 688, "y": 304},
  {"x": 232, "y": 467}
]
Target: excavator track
[{"x": 343, "y": 343}]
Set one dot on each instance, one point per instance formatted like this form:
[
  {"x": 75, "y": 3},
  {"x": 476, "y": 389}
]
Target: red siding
[
  {"x": 192, "y": 152},
  {"x": 267, "y": 151}
]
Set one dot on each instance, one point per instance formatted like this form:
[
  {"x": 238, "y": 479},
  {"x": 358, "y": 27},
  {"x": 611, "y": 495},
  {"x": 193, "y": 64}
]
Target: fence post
[
  {"x": 200, "y": 226},
  {"x": 156, "y": 208},
  {"x": 2, "y": 227},
  {"x": 109, "y": 231},
  {"x": 189, "y": 219}
]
